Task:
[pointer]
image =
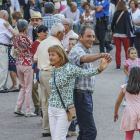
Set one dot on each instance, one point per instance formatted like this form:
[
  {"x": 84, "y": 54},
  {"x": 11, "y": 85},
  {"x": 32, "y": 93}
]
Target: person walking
[
  {"x": 130, "y": 120},
  {"x": 135, "y": 19},
  {"x": 24, "y": 68},
  {"x": 41, "y": 57},
  {"x": 121, "y": 28},
  {"x": 81, "y": 56},
  {"x": 62, "y": 80}
]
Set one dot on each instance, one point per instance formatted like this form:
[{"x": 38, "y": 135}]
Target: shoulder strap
[
  {"x": 59, "y": 92},
  {"x": 119, "y": 17},
  {"x": 131, "y": 19}
]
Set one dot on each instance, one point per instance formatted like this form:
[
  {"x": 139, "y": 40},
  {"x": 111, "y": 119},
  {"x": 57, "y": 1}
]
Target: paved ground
[{"x": 107, "y": 88}]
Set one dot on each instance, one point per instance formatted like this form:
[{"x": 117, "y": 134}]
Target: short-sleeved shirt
[
  {"x": 49, "y": 20},
  {"x": 5, "y": 34},
  {"x": 136, "y": 18},
  {"x": 131, "y": 114},
  {"x": 81, "y": 10},
  {"x": 128, "y": 63},
  {"x": 74, "y": 57},
  {"x": 24, "y": 44},
  {"x": 105, "y": 4}
]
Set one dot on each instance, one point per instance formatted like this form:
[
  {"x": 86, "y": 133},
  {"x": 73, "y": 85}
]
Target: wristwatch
[{"x": 9, "y": 28}]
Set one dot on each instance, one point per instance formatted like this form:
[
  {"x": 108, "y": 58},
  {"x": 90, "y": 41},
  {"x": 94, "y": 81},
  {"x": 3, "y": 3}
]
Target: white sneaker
[
  {"x": 30, "y": 114},
  {"x": 19, "y": 112},
  {"x": 124, "y": 103}
]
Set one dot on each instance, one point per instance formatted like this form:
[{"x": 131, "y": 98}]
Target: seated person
[{"x": 88, "y": 15}]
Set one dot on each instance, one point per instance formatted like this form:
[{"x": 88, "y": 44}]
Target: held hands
[
  {"x": 116, "y": 117},
  {"x": 6, "y": 24},
  {"x": 107, "y": 56},
  {"x": 103, "y": 65}
]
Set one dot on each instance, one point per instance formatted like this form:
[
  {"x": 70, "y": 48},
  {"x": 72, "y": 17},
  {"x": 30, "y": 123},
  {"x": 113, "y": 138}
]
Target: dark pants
[
  {"x": 84, "y": 111},
  {"x": 26, "y": 12},
  {"x": 100, "y": 31},
  {"x": 135, "y": 41}
]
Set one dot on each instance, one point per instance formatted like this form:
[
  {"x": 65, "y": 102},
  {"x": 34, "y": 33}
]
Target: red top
[
  {"x": 35, "y": 46},
  {"x": 24, "y": 44},
  {"x": 34, "y": 49}
]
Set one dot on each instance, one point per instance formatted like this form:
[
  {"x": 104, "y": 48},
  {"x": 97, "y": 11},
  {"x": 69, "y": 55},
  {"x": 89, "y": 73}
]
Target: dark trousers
[
  {"x": 84, "y": 111},
  {"x": 100, "y": 31},
  {"x": 135, "y": 41},
  {"x": 26, "y": 12}
]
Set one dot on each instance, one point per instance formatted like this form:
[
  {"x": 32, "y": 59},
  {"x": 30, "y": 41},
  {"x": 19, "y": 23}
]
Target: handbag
[
  {"x": 136, "y": 30},
  {"x": 70, "y": 110}
]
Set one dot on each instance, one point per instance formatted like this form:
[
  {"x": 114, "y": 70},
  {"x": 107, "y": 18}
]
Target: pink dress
[{"x": 131, "y": 114}]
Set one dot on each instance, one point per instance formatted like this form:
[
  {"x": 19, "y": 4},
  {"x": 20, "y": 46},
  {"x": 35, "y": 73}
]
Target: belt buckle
[{"x": 99, "y": 19}]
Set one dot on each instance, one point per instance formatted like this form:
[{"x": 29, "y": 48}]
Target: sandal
[{"x": 13, "y": 89}]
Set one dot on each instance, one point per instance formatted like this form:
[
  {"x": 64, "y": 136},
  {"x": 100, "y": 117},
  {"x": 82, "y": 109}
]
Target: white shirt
[
  {"x": 42, "y": 55},
  {"x": 111, "y": 9},
  {"x": 65, "y": 41},
  {"x": 135, "y": 18},
  {"x": 69, "y": 14},
  {"x": 5, "y": 34}
]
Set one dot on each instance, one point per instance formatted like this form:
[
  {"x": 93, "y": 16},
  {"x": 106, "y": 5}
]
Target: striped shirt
[
  {"x": 74, "y": 57},
  {"x": 49, "y": 20},
  {"x": 5, "y": 34}
]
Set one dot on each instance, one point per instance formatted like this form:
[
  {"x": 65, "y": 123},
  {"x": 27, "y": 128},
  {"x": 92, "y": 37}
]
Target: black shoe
[
  {"x": 118, "y": 68},
  {"x": 68, "y": 135},
  {"x": 3, "y": 91},
  {"x": 37, "y": 111},
  {"x": 109, "y": 49},
  {"x": 46, "y": 134}
]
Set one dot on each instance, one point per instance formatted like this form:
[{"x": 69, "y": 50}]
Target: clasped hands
[{"x": 107, "y": 58}]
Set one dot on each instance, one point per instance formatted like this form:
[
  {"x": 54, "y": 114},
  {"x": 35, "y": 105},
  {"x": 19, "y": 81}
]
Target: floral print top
[
  {"x": 24, "y": 44},
  {"x": 65, "y": 79}
]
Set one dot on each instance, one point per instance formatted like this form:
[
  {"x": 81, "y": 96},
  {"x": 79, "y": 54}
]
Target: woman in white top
[
  {"x": 135, "y": 18},
  {"x": 88, "y": 15}
]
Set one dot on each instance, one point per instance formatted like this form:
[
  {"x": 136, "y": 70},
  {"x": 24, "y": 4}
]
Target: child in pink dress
[
  {"x": 131, "y": 115},
  {"x": 130, "y": 63}
]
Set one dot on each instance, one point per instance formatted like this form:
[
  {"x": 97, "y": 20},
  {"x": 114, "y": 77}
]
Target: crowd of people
[{"x": 48, "y": 45}]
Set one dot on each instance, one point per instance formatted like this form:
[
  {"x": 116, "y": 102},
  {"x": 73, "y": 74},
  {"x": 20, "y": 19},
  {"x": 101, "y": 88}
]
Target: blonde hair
[
  {"x": 71, "y": 38},
  {"x": 61, "y": 52}
]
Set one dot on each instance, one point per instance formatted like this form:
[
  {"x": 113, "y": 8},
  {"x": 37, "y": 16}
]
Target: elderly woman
[
  {"x": 88, "y": 15},
  {"x": 135, "y": 18},
  {"x": 12, "y": 67},
  {"x": 62, "y": 80},
  {"x": 24, "y": 68}
]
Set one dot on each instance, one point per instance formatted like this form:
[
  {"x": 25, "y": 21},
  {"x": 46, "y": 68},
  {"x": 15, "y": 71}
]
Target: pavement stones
[{"x": 106, "y": 91}]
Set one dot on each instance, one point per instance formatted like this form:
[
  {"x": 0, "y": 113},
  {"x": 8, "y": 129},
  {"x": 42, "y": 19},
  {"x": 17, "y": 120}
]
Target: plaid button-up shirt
[
  {"x": 49, "y": 20},
  {"x": 74, "y": 57}
]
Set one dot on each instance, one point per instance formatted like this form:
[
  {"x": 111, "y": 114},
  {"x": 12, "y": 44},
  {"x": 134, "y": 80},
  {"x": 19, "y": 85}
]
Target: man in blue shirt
[{"x": 101, "y": 8}]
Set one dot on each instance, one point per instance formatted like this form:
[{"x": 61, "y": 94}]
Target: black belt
[
  {"x": 83, "y": 91},
  {"x": 102, "y": 18},
  {"x": 4, "y": 44}
]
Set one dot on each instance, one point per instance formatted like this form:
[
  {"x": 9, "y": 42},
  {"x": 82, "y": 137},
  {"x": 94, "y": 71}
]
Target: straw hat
[{"x": 36, "y": 15}]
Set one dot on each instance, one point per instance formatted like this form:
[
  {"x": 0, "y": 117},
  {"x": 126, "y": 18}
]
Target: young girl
[
  {"x": 131, "y": 116},
  {"x": 130, "y": 63}
]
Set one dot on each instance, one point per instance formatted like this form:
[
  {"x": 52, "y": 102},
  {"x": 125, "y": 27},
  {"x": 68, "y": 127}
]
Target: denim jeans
[{"x": 84, "y": 111}]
